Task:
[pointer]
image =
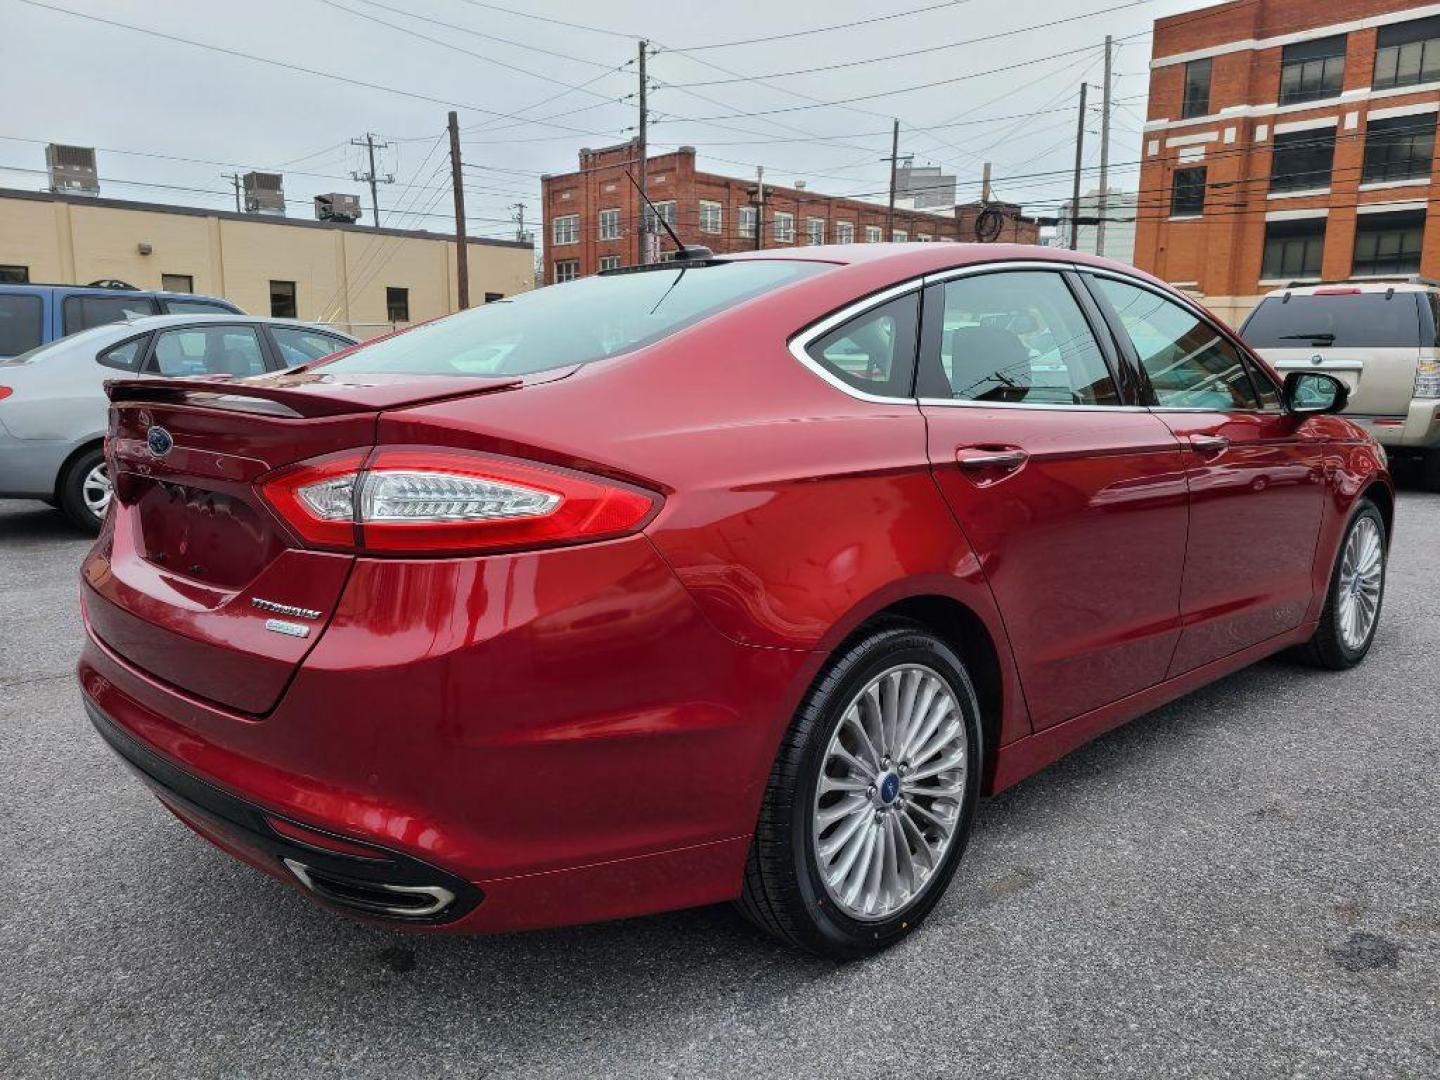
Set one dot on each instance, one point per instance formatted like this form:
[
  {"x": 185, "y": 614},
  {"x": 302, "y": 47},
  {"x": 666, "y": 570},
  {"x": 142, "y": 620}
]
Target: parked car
[
  {"x": 737, "y": 577},
  {"x": 52, "y": 399},
  {"x": 34, "y": 315},
  {"x": 1382, "y": 339}
]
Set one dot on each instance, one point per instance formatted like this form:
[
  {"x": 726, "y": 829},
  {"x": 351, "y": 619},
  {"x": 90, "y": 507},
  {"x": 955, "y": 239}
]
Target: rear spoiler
[{"x": 305, "y": 394}]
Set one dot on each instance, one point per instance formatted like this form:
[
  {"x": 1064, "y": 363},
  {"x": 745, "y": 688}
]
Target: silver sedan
[{"x": 53, "y": 405}]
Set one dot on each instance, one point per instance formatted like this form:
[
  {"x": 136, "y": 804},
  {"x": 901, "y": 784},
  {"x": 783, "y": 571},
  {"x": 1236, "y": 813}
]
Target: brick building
[
  {"x": 1290, "y": 140},
  {"x": 591, "y": 215}
]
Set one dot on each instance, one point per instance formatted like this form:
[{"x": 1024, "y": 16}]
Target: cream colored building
[{"x": 351, "y": 276}]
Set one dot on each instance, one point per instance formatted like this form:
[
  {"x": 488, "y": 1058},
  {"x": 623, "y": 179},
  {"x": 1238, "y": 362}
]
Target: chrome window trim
[
  {"x": 799, "y": 344},
  {"x": 1044, "y": 406}
]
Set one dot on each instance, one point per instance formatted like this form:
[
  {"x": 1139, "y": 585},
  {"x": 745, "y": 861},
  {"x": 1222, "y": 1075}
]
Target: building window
[
  {"x": 566, "y": 270},
  {"x": 784, "y": 228},
  {"x": 666, "y": 210},
  {"x": 14, "y": 275},
  {"x": 815, "y": 230},
  {"x": 491, "y": 297},
  {"x": 397, "y": 304},
  {"x": 1196, "y": 101},
  {"x": 711, "y": 220},
  {"x": 745, "y": 222},
  {"x": 1401, "y": 148},
  {"x": 899, "y": 236},
  {"x": 282, "y": 299},
  {"x": 1388, "y": 244},
  {"x": 844, "y": 232},
  {"x": 609, "y": 262},
  {"x": 609, "y": 225},
  {"x": 924, "y": 237},
  {"x": 1408, "y": 53},
  {"x": 1302, "y": 160},
  {"x": 565, "y": 229},
  {"x": 177, "y": 282},
  {"x": 873, "y": 234},
  {"x": 1187, "y": 192},
  {"x": 1293, "y": 249},
  {"x": 1311, "y": 70}
]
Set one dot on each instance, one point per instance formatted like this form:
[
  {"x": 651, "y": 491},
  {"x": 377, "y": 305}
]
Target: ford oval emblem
[{"x": 159, "y": 441}]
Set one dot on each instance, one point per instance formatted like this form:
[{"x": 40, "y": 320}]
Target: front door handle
[
  {"x": 1209, "y": 445},
  {"x": 984, "y": 458}
]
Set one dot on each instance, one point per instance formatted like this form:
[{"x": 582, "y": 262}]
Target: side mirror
[{"x": 1310, "y": 392}]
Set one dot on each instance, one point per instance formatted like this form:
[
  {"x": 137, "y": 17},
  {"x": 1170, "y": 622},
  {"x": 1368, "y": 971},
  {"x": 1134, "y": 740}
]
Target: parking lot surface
[{"x": 1245, "y": 883}]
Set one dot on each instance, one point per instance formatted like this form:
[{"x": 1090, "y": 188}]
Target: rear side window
[
  {"x": 574, "y": 323},
  {"x": 20, "y": 329},
  {"x": 200, "y": 307},
  {"x": 83, "y": 312},
  {"x": 1373, "y": 320},
  {"x": 208, "y": 350},
  {"x": 126, "y": 356},
  {"x": 1188, "y": 362},
  {"x": 875, "y": 351}
]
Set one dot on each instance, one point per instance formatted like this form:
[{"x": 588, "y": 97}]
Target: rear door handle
[
  {"x": 1209, "y": 445},
  {"x": 980, "y": 459}
]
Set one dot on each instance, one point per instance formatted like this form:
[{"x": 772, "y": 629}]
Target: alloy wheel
[
  {"x": 1362, "y": 576},
  {"x": 96, "y": 490}
]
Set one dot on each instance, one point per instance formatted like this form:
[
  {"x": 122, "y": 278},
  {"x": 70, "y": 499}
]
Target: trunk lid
[{"x": 195, "y": 580}]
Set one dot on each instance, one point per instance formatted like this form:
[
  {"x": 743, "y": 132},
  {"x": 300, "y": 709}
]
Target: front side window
[
  {"x": 20, "y": 329},
  {"x": 844, "y": 232},
  {"x": 815, "y": 230},
  {"x": 1187, "y": 192},
  {"x": 1388, "y": 244},
  {"x": 566, "y": 270},
  {"x": 710, "y": 217},
  {"x": 875, "y": 351},
  {"x": 282, "y": 300},
  {"x": 83, "y": 312},
  {"x": 565, "y": 229},
  {"x": 1407, "y": 53},
  {"x": 609, "y": 225},
  {"x": 1188, "y": 362},
  {"x": 1312, "y": 70},
  {"x": 1302, "y": 160},
  {"x": 300, "y": 346},
  {"x": 1293, "y": 249},
  {"x": 1196, "y": 98},
  {"x": 784, "y": 228},
  {"x": 586, "y": 320},
  {"x": 873, "y": 234},
  {"x": 208, "y": 350},
  {"x": 1401, "y": 148},
  {"x": 1016, "y": 337}
]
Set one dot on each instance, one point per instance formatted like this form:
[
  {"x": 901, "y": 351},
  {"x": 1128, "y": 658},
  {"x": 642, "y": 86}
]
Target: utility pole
[
  {"x": 759, "y": 207},
  {"x": 462, "y": 253},
  {"x": 985, "y": 184},
  {"x": 519, "y": 209},
  {"x": 371, "y": 177},
  {"x": 1079, "y": 161},
  {"x": 894, "y": 160},
  {"x": 234, "y": 179},
  {"x": 642, "y": 231},
  {"x": 1101, "y": 205}
]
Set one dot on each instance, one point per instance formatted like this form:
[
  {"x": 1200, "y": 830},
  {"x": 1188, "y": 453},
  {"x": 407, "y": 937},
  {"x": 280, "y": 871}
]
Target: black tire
[
  {"x": 783, "y": 893},
  {"x": 1327, "y": 648},
  {"x": 71, "y": 493},
  {"x": 1430, "y": 470}
]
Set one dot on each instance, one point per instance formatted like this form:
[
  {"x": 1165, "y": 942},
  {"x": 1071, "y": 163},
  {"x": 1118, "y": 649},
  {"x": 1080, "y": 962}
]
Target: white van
[{"x": 1381, "y": 338}]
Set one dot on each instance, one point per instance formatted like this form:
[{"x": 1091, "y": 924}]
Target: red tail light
[
  {"x": 434, "y": 500},
  {"x": 5, "y": 392}
]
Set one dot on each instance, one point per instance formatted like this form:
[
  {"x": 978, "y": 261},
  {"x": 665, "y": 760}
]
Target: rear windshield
[
  {"x": 573, "y": 323},
  {"x": 1358, "y": 320}
]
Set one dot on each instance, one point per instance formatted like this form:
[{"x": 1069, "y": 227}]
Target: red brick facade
[
  {"x": 1219, "y": 253},
  {"x": 600, "y": 185}
]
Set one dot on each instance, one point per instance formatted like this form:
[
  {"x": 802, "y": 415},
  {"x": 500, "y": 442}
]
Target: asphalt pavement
[{"x": 1245, "y": 883}]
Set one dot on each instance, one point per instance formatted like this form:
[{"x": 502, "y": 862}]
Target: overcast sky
[{"x": 531, "y": 92}]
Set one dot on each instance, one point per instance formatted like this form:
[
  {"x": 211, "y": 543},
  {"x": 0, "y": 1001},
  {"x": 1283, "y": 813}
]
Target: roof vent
[
  {"x": 72, "y": 169},
  {"x": 264, "y": 193}
]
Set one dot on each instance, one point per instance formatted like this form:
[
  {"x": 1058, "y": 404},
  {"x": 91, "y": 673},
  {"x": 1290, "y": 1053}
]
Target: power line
[{"x": 824, "y": 29}]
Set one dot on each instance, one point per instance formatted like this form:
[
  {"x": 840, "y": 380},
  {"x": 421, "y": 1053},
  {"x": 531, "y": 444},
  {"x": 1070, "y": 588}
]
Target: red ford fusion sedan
[{"x": 735, "y": 578}]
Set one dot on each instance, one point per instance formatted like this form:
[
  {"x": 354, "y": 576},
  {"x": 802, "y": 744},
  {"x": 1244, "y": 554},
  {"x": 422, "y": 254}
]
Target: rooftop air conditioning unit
[
  {"x": 264, "y": 193},
  {"x": 337, "y": 207},
  {"x": 72, "y": 169}
]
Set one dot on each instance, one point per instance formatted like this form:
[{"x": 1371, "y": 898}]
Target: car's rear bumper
[
  {"x": 1416, "y": 429},
  {"x": 505, "y": 745},
  {"x": 29, "y": 468}
]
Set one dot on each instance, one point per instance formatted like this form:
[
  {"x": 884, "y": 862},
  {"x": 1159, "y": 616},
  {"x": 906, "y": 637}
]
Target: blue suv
[{"x": 34, "y": 315}]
